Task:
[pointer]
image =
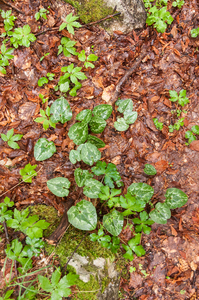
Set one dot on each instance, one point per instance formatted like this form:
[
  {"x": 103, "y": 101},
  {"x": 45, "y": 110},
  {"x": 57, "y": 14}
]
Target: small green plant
[
  {"x": 157, "y": 124},
  {"x": 182, "y": 292},
  {"x": 105, "y": 240},
  {"x": 109, "y": 196},
  {"x": 159, "y": 18},
  {"x": 21, "y": 36},
  {"x": 70, "y": 23},
  {"x": 44, "y": 80},
  {"x": 87, "y": 60},
  {"x": 181, "y": 98},
  {"x": 41, "y": 14},
  {"x": 130, "y": 116},
  {"x": 45, "y": 118},
  {"x": 142, "y": 223},
  {"x": 178, "y": 112},
  {"x": 5, "y": 213},
  {"x": 45, "y": 54},
  {"x": 4, "y": 57},
  {"x": 11, "y": 139},
  {"x": 178, "y": 3},
  {"x": 8, "y": 20},
  {"x": 7, "y": 295},
  {"x": 44, "y": 100},
  {"x": 190, "y": 134},
  {"x": 177, "y": 125},
  {"x": 195, "y": 32},
  {"x": 149, "y": 169},
  {"x": 28, "y": 172},
  {"x": 67, "y": 47},
  {"x": 132, "y": 269},
  {"x": 148, "y": 3}
]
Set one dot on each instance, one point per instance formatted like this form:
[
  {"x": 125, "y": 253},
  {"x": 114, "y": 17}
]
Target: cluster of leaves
[
  {"x": 178, "y": 3},
  {"x": 15, "y": 251},
  {"x": 11, "y": 139},
  {"x": 178, "y": 112},
  {"x": 8, "y": 21},
  {"x": 177, "y": 125},
  {"x": 4, "y": 57},
  {"x": 21, "y": 36},
  {"x": 45, "y": 118},
  {"x": 28, "y": 172},
  {"x": 158, "y": 125},
  {"x": 126, "y": 108},
  {"x": 87, "y": 60},
  {"x": 181, "y": 98},
  {"x": 159, "y": 18},
  {"x": 195, "y": 32},
  {"x": 69, "y": 23},
  {"x": 45, "y": 54},
  {"x": 41, "y": 14},
  {"x": 96, "y": 120},
  {"x": 112, "y": 243},
  {"x": 44, "y": 80},
  {"x": 190, "y": 134}
]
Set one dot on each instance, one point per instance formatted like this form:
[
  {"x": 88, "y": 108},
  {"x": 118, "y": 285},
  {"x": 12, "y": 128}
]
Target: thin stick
[
  {"x": 13, "y": 7},
  {"x": 48, "y": 29},
  {"x": 74, "y": 252},
  {"x": 101, "y": 20}
]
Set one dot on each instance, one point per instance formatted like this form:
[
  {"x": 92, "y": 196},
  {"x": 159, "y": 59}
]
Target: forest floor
[{"x": 171, "y": 63}]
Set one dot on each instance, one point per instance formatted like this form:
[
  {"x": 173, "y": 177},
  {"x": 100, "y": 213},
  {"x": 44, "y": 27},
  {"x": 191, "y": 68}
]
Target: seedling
[
  {"x": 44, "y": 80},
  {"x": 177, "y": 125},
  {"x": 87, "y": 60},
  {"x": 70, "y": 23},
  {"x": 46, "y": 54},
  {"x": 195, "y": 32},
  {"x": 45, "y": 119},
  {"x": 142, "y": 223},
  {"x": 109, "y": 196},
  {"x": 105, "y": 240},
  {"x": 159, "y": 18},
  {"x": 157, "y": 124},
  {"x": 4, "y": 57},
  {"x": 28, "y": 172},
  {"x": 178, "y": 3},
  {"x": 67, "y": 47},
  {"x": 149, "y": 169},
  {"x": 147, "y": 3},
  {"x": 44, "y": 100},
  {"x": 132, "y": 269},
  {"x": 41, "y": 14},
  {"x": 125, "y": 107},
  {"x": 11, "y": 139},
  {"x": 21, "y": 36},
  {"x": 190, "y": 134},
  {"x": 8, "y": 20},
  {"x": 178, "y": 112},
  {"x": 181, "y": 98}
]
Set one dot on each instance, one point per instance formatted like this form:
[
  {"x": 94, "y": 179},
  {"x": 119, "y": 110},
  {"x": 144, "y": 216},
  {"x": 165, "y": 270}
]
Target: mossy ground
[
  {"x": 90, "y": 10},
  {"x": 66, "y": 247}
]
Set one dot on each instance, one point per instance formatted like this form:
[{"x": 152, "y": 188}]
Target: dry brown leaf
[
  {"x": 161, "y": 166},
  {"x": 194, "y": 145},
  {"x": 108, "y": 93}
]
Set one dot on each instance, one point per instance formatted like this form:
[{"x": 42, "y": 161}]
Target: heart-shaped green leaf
[
  {"x": 125, "y": 105},
  {"x": 83, "y": 216},
  {"x": 175, "y": 198},
  {"x": 74, "y": 156},
  {"x": 161, "y": 213},
  {"x": 90, "y": 154},
  {"x": 121, "y": 124},
  {"x": 195, "y": 129},
  {"x": 44, "y": 149},
  {"x": 92, "y": 188},
  {"x": 60, "y": 111},
  {"x": 97, "y": 124},
  {"x": 113, "y": 222},
  {"x": 81, "y": 176},
  {"x": 95, "y": 141},
  {"x": 141, "y": 191},
  {"x": 78, "y": 133},
  {"x": 149, "y": 169},
  {"x": 103, "y": 111},
  {"x": 84, "y": 116},
  {"x": 130, "y": 116},
  {"x": 59, "y": 186}
]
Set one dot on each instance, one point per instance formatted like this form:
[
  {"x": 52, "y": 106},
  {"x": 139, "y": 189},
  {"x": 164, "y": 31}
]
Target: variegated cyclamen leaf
[
  {"x": 44, "y": 149},
  {"x": 95, "y": 141},
  {"x": 81, "y": 176},
  {"x": 125, "y": 105},
  {"x": 90, "y": 154},
  {"x": 141, "y": 191},
  {"x": 84, "y": 116},
  {"x": 103, "y": 111},
  {"x": 83, "y": 216},
  {"x": 60, "y": 111},
  {"x": 74, "y": 156},
  {"x": 59, "y": 186},
  {"x": 175, "y": 198},
  {"x": 97, "y": 124},
  {"x": 113, "y": 222},
  {"x": 92, "y": 188},
  {"x": 78, "y": 133},
  {"x": 161, "y": 213}
]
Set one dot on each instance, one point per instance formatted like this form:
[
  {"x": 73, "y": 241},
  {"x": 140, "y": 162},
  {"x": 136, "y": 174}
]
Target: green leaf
[
  {"x": 90, "y": 154},
  {"x": 4, "y": 137},
  {"x": 95, "y": 141},
  {"x": 189, "y": 135},
  {"x": 130, "y": 116},
  {"x": 62, "y": 26},
  {"x": 74, "y": 156},
  {"x": 149, "y": 169},
  {"x": 82, "y": 56},
  {"x": 83, "y": 216},
  {"x": 92, "y": 57},
  {"x": 13, "y": 145},
  {"x": 97, "y": 124},
  {"x": 61, "y": 111},
  {"x": 113, "y": 222},
  {"x": 45, "y": 284},
  {"x": 64, "y": 87},
  {"x": 129, "y": 253},
  {"x": 195, "y": 129},
  {"x": 141, "y": 191},
  {"x": 78, "y": 133},
  {"x": 125, "y": 105},
  {"x": 81, "y": 176},
  {"x": 102, "y": 111},
  {"x": 44, "y": 149},
  {"x": 16, "y": 137},
  {"x": 10, "y": 133},
  {"x": 59, "y": 186},
  {"x": 175, "y": 198},
  {"x": 92, "y": 188},
  {"x": 131, "y": 203},
  {"x": 158, "y": 124},
  {"x": 89, "y": 65},
  {"x": 173, "y": 96},
  {"x": 42, "y": 81},
  {"x": 85, "y": 116},
  {"x": 183, "y": 100},
  {"x": 121, "y": 124},
  {"x": 161, "y": 213}
]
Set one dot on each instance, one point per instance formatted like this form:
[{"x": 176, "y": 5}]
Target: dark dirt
[{"x": 172, "y": 250}]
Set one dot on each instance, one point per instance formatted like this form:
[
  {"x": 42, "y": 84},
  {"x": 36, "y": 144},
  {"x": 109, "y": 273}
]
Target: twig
[
  {"x": 6, "y": 232},
  {"x": 13, "y": 7},
  {"x": 48, "y": 29},
  {"x": 126, "y": 76},
  {"x": 101, "y": 20},
  {"x": 64, "y": 270}
]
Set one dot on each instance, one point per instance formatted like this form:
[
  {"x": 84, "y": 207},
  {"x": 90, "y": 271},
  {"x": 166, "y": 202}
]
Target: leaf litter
[{"x": 168, "y": 62}]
